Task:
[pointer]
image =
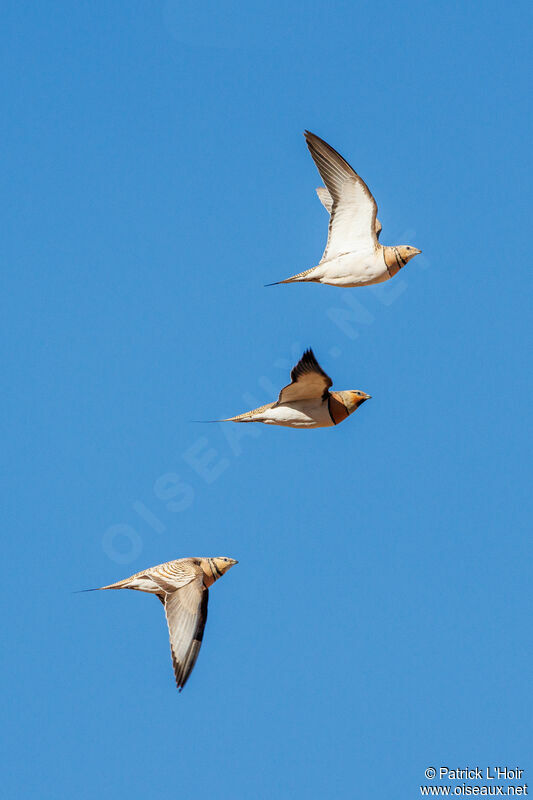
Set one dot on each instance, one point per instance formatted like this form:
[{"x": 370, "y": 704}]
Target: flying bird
[
  {"x": 182, "y": 586},
  {"x": 306, "y": 402},
  {"x": 353, "y": 254}
]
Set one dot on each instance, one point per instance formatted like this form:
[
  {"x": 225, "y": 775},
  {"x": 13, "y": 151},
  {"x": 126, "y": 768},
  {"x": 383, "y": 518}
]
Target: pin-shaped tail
[
  {"x": 207, "y": 421},
  {"x": 301, "y": 277},
  {"x": 277, "y": 283},
  {"x": 118, "y": 585}
]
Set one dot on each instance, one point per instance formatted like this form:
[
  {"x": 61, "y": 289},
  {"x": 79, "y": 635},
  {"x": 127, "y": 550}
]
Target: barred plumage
[{"x": 182, "y": 586}]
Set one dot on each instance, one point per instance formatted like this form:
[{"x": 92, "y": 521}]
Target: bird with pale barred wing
[
  {"x": 353, "y": 254},
  {"x": 306, "y": 402},
  {"x": 182, "y": 586}
]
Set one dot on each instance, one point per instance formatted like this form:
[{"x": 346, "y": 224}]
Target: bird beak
[
  {"x": 417, "y": 253},
  {"x": 233, "y": 561},
  {"x": 368, "y": 397}
]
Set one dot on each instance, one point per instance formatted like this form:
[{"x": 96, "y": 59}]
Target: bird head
[
  {"x": 223, "y": 564},
  {"x": 406, "y": 252},
  {"x": 345, "y": 403},
  {"x": 214, "y": 568}
]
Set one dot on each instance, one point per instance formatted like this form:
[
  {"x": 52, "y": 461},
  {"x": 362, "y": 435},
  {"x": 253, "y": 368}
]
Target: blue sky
[{"x": 154, "y": 178}]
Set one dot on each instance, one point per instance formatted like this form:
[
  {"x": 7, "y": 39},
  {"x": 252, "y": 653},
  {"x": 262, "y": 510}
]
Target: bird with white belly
[
  {"x": 306, "y": 402},
  {"x": 353, "y": 254}
]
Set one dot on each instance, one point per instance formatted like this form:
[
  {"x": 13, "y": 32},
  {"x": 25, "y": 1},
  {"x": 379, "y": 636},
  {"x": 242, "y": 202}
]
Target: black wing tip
[
  {"x": 82, "y": 591},
  {"x": 309, "y": 363},
  {"x": 182, "y": 678},
  {"x": 311, "y": 138},
  {"x": 178, "y": 675},
  {"x": 309, "y": 357}
]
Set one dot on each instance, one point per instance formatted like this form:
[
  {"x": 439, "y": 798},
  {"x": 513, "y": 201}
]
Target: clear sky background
[{"x": 154, "y": 178}]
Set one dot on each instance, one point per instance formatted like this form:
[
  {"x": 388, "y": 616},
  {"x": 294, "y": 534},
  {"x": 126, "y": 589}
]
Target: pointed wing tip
[
  {"x": 300, "y": 375},
  {"x": 312, "y": 138},
  {"x": 310, "y": 359}
]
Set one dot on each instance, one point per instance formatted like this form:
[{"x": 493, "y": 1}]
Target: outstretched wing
[
  {"x": 308, "y": 380},
  {"x": 352, "y": 224},
  {"x": 325, "y": 198},
  {"x": 186, "y": 612}
]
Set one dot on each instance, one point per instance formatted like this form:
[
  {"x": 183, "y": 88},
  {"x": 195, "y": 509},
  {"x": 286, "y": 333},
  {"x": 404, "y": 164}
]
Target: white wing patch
[
  {"x": 352, "y": 224},
  {"x": 325, "y": 198}
]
